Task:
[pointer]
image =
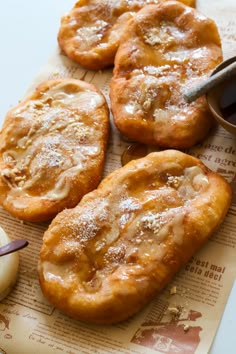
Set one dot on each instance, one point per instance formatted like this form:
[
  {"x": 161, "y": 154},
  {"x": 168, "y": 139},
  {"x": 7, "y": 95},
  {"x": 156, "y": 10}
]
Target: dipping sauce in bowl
[
  {"x": 228, "y": 102},
  {"x": 222, "y": 99}
]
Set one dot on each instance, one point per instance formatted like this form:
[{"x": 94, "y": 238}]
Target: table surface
[{"x": 28, "y": 32}]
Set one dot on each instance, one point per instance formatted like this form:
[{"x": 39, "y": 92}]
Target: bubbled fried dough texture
[
  {"x": 90, "y": 33},
  {"x": 52, "y": 149},
  {"x": 105, "y": 259},
  {"x": 168, "y": 48}
]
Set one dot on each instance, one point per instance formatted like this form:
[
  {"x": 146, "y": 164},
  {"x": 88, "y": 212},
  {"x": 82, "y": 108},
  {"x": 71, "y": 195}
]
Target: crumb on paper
[
  {"x": 175, "y": 311},
  {"x": 186, "y": 328},
  {"x": 173, "y": 290}
]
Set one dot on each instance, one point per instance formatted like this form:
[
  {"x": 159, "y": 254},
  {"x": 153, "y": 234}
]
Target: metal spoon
[
  {"x": 211, "y": 82},
  {"x": 13, "y": 246}
]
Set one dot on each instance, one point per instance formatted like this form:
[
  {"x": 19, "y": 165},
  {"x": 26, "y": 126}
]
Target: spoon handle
[
  {"x": 210, "y": 82},
  {"x": 13, "y": 246}
]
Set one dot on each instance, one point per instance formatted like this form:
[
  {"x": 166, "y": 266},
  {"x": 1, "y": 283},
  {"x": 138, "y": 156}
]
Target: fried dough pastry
[
  {"x": 90, "y": 33},
  {"x": 52, "y": 149},
  {"x": 167, "y": 49},
  {"x": 102, "y": 261}
]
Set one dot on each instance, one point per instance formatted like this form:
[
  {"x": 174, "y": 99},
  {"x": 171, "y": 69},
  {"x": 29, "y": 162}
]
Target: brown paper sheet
[{"x": 29, "y": 324}]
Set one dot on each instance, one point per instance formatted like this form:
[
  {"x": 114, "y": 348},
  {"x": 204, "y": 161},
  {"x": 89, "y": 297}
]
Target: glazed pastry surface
[
  {"x": 52, "y": 149},
  {"x": 90, "y": 33},
  {"x": 102, "y": 261},
  {"x": 167, "y": 49}
]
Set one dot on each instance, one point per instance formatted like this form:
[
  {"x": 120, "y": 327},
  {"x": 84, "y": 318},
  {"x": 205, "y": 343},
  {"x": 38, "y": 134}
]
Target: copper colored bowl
[{"x": 214, "y": 95}]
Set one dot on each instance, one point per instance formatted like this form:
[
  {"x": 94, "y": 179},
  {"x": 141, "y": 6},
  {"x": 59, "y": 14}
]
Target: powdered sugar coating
[{"x": 125, "y": 240}]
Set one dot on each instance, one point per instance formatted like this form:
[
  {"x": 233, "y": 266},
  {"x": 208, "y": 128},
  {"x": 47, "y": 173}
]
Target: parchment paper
[{"x": 29, "y": 324}]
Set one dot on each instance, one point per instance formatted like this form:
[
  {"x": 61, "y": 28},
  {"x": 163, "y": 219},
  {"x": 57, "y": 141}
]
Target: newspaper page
[{"x": 29, "y": 324}]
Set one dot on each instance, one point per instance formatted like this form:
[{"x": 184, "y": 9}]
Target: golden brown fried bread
[
  {"x": 52, "y": 149},
  {"x": 90, "y": 33},
  {"x": 105, "y": 259},
  {"x": 167, "y": 49}
]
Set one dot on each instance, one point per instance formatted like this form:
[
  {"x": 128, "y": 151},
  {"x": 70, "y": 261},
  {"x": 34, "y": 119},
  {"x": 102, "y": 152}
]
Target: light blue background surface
[{"x": 28, "y": 31}]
